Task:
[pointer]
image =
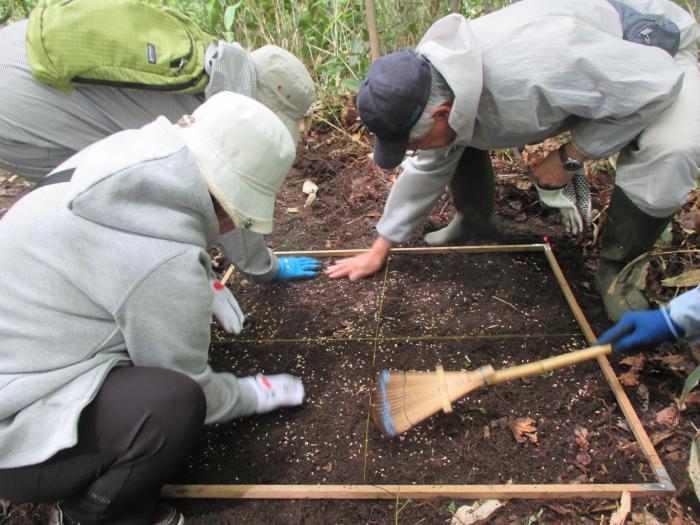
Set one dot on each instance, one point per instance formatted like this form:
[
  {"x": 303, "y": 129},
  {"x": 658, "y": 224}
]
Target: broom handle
[{"x": 545, "y": 365}]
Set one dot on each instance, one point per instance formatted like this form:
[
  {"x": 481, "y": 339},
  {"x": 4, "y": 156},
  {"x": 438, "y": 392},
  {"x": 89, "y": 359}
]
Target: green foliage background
[{"x": 331, "y": 36}]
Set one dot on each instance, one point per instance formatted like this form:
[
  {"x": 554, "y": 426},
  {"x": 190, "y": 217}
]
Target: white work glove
[
  {"x": 573, "y": 201},
  {"x": 275, "y": 391},
  {"x": 226, "y": 309}
]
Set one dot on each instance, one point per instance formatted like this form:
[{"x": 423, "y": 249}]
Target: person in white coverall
[
  {"x": 104, "y": 374},
  {"x": 519, "y": 75}
]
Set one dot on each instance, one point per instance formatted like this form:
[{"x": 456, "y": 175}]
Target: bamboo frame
[{"x": 663, "y": 484}]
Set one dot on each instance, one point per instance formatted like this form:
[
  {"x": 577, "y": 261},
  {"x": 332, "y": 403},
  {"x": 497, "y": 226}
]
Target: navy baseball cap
[{"x": 391, "y": 99}]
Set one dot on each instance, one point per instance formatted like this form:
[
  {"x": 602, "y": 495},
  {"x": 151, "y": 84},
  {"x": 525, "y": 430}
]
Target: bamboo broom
[{"x": 401, "y": 399}]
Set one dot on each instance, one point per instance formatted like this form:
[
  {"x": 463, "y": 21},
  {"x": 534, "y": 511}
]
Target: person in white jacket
[
  {"x": 107, "y": 299},
  {"x": 519, "y": 75}
]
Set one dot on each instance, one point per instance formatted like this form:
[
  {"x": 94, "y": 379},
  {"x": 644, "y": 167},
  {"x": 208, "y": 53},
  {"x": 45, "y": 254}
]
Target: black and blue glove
[
  {"x": 297, "y": 268},
  {"x": 640, "y": 329}
]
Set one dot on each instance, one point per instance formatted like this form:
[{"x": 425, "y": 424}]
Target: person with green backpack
[
  {"x": 76, "y": 72},
  {"x": 105, "y": 380}
]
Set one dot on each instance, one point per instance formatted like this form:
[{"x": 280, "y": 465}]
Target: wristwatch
[{"x": 569, "y": 164}]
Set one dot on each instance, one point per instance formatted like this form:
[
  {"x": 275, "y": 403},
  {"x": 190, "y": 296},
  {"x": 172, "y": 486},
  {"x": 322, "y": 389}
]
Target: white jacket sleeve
[
  {"x": 624, "y": 86},
  {"x": 685, "y": 312},
  {"x": 415, "y": 192},
  {"x": 166, "y": 323},
  {"x": 249, "y": 253}
]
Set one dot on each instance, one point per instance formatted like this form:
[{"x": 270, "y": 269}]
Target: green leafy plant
[{"x": 690, "y": 383}]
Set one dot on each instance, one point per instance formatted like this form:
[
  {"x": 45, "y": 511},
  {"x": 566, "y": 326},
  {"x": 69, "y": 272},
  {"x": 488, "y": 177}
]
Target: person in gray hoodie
[
  {"x": 107, "y": 298},
  {"x": 619, "y": 76}
]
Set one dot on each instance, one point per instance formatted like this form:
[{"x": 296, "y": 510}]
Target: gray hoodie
[{"x": 108, "y": 270}]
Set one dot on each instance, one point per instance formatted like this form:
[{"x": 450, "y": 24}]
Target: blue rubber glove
[
  {"x": 297, "y": 267},
  {"x": 638, "y": 329}
]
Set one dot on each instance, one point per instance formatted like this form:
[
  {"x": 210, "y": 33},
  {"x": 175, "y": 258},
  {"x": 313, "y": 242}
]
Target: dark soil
[
  {"x": 460, "y": 310},
  {"x": 467, "y": 310}
]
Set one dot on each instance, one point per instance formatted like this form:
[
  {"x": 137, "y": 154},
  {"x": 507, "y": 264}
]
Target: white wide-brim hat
[
  {"x": 243, "y": 152},
  {"x": 284, "y": 85}
]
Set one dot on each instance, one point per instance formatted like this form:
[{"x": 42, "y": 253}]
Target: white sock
[{"x": 275, "y": 391}]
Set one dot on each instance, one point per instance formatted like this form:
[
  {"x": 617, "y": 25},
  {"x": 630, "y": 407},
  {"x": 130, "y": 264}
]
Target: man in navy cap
[{"x": 527, "y": 72}]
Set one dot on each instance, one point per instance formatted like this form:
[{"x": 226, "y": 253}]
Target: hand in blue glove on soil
[
  {"x": 297, "y": 267},
  {"x": 645, "y": 328}
]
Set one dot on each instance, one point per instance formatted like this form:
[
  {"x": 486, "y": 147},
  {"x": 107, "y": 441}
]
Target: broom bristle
[{"x": 401, "y": 400}]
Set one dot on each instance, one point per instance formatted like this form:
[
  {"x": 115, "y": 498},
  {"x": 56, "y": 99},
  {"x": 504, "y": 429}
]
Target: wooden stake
[
  {"x": 228, "y": 274},
  {"x": 371, "y": 8},
  {"x": 622, "y": 399},
  {"x": 377, "y": 492}
]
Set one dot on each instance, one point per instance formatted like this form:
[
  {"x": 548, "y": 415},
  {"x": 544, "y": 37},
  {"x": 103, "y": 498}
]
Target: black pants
[
  {"x": 473, "y": 185},
  {"x": 131, "y": 439}
]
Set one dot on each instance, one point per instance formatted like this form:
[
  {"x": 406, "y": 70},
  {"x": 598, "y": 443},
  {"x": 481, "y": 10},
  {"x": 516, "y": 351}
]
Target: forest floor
[{"x": 461, "y": 310}]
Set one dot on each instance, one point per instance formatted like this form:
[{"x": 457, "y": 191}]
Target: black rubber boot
[
  {"x": 628, "y": 232},
  {"x": 472, "y": 188}
]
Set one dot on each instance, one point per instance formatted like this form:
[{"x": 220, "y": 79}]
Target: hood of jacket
[
  {"x": 144, "y": 181},
  {"x": 452, "y": 48}
]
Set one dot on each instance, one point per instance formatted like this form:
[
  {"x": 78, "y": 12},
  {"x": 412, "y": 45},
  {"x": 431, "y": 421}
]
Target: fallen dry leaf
[
  {"x": 675, "y": 444},
  {"x": 523, "y": 184},
  {"x": 634, "y": 361},
  {"x": 477, "y": 513},
  {"x": 621, "y": 423},
  {"x": 348, "y": 116},
  {"x": 660, "y": 437},
  {"x": 630, "y": 378},
  {"x": 581, "y": 478},
  {"x": 584, "y": 459},
  {"x": 581, "y": 437},
  {"x": 668, "y": 417},
  {"x": 620, "y": 515},
  {"x": 562, "y": 511},
  {"x": 644, "y": 518},
  {"x": 643, "y": 394},
  {"x": 333, "y": 243},
  {"x": 689, "y": 278},
  {"x": 675, "y": 362},
  {"x": 690, "y": 220},
  {"x": 677, "y": 456},
  {"x": 524, "y": 430}
]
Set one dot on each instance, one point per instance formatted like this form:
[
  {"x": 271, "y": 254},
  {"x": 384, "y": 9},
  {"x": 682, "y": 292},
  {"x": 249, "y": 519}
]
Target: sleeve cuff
[{"x": 672, "y": 326}]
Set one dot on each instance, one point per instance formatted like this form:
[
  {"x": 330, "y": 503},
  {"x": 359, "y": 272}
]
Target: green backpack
[{"x": 118, "y": 43}]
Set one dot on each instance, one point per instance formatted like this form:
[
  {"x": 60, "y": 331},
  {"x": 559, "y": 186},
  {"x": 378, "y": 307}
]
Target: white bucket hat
[
  {"x": 284, "y": 85},
  {"x": 243, "y": 153}
]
